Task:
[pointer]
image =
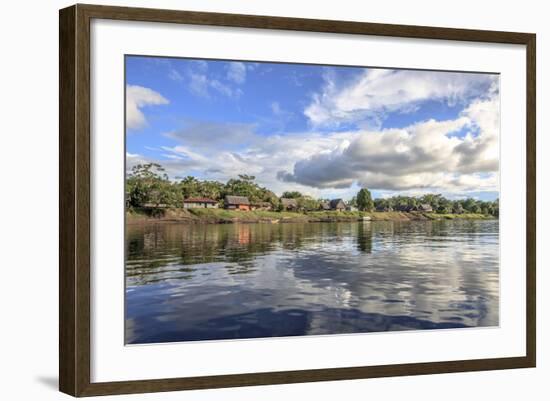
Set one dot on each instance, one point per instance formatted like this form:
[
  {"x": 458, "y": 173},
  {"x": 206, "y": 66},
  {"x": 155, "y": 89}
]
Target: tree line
[
  {"x": 440, "y": 204},
  {"x": 148, "y": 184}
]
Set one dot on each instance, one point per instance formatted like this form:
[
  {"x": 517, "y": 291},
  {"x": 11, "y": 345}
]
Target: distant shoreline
[{"x": 223, "y": 216}]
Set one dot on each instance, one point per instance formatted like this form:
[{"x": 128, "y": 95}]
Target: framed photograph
[{"x": 250, "y": 200}]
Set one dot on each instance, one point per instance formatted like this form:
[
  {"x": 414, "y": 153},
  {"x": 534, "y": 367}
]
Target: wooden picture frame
[{"x": 74, "y": 203}]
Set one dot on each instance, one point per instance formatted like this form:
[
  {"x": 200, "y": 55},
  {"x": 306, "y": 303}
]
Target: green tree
[
  {"x": 445, "y": 206},
  {"x": 307, "y": 203},
  {"x": 149, "y": 184},
  {"x": 291, "y": 194},
  {"x": 381, "y": 203},
  {"x": 469, "y": 205},
  {"x": 364, "y": 200}
]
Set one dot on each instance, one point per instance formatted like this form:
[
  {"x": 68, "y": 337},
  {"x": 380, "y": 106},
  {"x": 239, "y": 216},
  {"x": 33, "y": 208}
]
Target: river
[{"x": 189, "y": 282}]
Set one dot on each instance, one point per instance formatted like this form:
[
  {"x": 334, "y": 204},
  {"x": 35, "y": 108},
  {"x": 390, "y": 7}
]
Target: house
[
  {"x": 289, "y": 204},
  {"x": 234, "y": 202},
  {"x": 324, "y": 206},
  {"x": 260, "y": 206},
  {"x": 152, "y": 205},
  {"x": 351, "y": 208},
  {"x": 425, "y": 207},
  {"x": 337, "y": 204},
  {"x": 404, "y": 208},
  {"x": 382, "y": 208},
  {"x": 203, "y": 203}
]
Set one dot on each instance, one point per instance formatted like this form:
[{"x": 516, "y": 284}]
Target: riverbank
[{"x": 223, "y": 216}]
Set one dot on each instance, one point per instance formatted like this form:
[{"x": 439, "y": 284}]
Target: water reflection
[{"x": 200, "y": 282}]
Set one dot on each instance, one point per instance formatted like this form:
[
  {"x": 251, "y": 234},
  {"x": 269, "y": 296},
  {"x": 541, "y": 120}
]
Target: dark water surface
[{"x": 204, "y": 282}]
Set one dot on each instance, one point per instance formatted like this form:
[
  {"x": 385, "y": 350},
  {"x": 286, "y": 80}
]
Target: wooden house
[
  {"x": 152, "y": 205},
  {"x": 289, "y": 204},
  {"x": 404, "y": 208},
  {"x": 425, "y": 207},
  {"x": 234, "y": 202},
  {"x": 203, "y": 203},
  {"x": 260, "y": 206},
  {"x": 337, "y": 204}
]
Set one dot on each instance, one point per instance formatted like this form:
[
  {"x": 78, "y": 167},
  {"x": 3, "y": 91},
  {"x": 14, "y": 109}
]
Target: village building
[
  {"x": 382, "y": 208},
  {"x": 234, "y": 202},
  {"x": 405, "y": 208},
  {"x": 289, "y": 204},
  {"x": 266, "y": 206},
  {"x": 324, "y": 206},
  {"x": 153, "y": 205},
  {"x": 202, "y": 203},
  {"x": 337, "y": 204},
  {"x": 425, "y": 207}
]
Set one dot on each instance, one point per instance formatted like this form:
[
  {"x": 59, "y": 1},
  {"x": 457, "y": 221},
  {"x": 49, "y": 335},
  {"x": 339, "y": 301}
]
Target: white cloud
[
  {"x": 236, "y": 72},
  {"x": 174, "y": 75},
  {"x": 276, "y": 108},
  {"x": 480, "y": 152},
  {"x": 201, "y": 85},
  {"x": 375, "y": 92},
  {"x": 281, "y": 114},
  {"x": 426, "y": 155},
  {"x": 136, "y": 98},
  {"x": 220, "y": 151},
  {"x": 212, "y": 135},
  {"x": 203, "y": 82},
  {"x": 198, "y": 84}
]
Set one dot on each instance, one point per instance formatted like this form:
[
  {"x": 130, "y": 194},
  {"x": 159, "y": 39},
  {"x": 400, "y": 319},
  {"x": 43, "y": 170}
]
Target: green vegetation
[
  {"x": 291, "y": 195},
  {"x": 148, "y": 188},
  {"x": 440, "y": 205},
  {"x": 258, "y": 216},
  {"x": 450, "y": 216},
  {"x": 148, "y": 185},
  {"x": 364, "y": 200},
  {"x": 225, "y": 214}
]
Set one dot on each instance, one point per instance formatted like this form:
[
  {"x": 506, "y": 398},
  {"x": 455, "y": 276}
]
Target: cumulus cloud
[
  {"x": 199, "y": 80},
  {"x": 480, "y": 152},
  {"x": 175, "y": 75},
  {"x": 375, "y": 92},
  {"x": 213, "y": 135},
  {"x": 202, "y": 85},
  {"x": 220, "y": 151},
  {"x": 136, "y": 98},
  {"x": 236, "y": 72},
  {"x": 425, "y": 155}
]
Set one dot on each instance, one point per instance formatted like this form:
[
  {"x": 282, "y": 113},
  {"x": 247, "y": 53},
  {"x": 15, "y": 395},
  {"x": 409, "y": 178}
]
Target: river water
[{"x": 231, "y": 281}]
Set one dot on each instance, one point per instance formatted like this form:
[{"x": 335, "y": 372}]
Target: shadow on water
[
  {"x": 292, "y": 322},
  {"x": 198, "y": 282}
]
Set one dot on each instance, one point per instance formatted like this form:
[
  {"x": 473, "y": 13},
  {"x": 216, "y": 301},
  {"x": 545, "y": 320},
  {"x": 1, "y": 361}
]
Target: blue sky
[{"x": 322, "y": 130}]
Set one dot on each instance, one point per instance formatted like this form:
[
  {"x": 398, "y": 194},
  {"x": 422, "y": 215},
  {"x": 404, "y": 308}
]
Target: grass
[
  {"x": 359, "y": 215},
  {"x": 230, "y": 216},
  {"x": 244, "y": 215},
  {"x": 464, "y": 216}
]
